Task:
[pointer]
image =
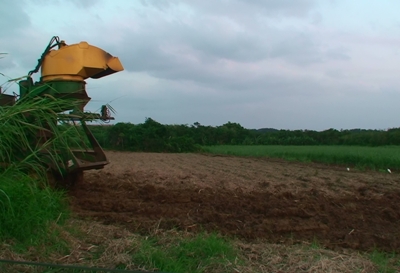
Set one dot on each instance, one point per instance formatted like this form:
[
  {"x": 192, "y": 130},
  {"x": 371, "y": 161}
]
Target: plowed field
[{"x": 245, "y": 197}]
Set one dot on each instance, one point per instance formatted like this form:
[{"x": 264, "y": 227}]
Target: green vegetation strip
[
  {"x": 202, "y": 253},
  {"x": 376, "y": 158},
  {"x": 152, "y": 136}
]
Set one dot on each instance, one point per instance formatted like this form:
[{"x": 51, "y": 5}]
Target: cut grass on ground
[
  {"x": 375, "y": 158},
  {"x": 106, "y": 246}
]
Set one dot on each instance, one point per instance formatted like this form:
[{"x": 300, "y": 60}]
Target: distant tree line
[{"x": 153, "y": 136}]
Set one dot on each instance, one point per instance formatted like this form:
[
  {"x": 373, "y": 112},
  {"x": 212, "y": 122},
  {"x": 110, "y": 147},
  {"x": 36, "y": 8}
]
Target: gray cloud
[
  {"x": 6, "y": 62},
  {"x": 12, "y": 18},
  {"x": 78, "y": 3},
  {"x": 160, "y": 4},
  {"x": 240, "y": 9},
  {"x": 285, "y": 7},
  {"x": 261, "y": 63},
  {"x": 303, "y": 104},
  {"x": 85, "y": 3},
  {"x": 13, "y": 23},
  {"x": 210, "y": 51},
  {"x": 338, "y": 53},
  {"x": 300, "y": 49}
]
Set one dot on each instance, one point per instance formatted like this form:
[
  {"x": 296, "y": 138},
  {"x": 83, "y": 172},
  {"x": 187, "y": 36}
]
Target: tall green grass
[
  {"x": 26, "y": 210},
  {"x": 27, "y": 205},
  {"x": 376, "y": 158}
]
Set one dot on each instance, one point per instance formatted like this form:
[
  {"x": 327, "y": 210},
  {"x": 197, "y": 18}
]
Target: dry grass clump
[
  {"x": 80, "y": 242},
  {"x": 265, "y": 257},
  {"x": 89, "y": 243}
]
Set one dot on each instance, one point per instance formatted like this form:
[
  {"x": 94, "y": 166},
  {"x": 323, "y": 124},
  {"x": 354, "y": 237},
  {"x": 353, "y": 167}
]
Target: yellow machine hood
[{"x": 78, "y": 62}]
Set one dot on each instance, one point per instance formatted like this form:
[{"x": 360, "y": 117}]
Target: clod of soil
[{"x": 248, "y": 198}]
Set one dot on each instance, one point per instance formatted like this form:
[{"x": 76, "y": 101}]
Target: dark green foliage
[{"x": 152, "y": 136}]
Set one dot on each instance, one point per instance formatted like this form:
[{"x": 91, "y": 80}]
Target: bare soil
[{"x": 248, "y": 198}]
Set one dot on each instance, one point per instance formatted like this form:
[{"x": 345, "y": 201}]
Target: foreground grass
[
  {"x": 385, "y": 262},
  {"x": 26, "y": 210},
  {"x": 27, "y": 205},
  {"x": 105, "y": 246},
  {"x": 201, "y": 253},
  {"x": 376, "y": 158}
]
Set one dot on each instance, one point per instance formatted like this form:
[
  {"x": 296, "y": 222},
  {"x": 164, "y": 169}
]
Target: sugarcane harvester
[{"x": 64, "y": 69}]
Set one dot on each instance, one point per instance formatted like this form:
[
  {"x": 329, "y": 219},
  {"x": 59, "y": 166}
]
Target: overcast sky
[{"x": 285, "y": 64}]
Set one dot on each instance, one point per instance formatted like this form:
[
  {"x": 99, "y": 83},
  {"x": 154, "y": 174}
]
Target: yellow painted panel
[{"x": 79, "y": 62}]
